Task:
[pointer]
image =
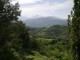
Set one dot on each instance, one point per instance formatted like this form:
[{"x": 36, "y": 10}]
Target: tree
[
  {"x": 76, "y": 30},
  {"x": 8, "y": 14},
  {"x": 19, "y": 36}
]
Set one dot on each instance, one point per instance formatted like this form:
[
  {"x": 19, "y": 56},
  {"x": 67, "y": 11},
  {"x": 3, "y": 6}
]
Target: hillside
[
  {"x": 45, "y": 21},
  {"x": 54, "y": 31}
]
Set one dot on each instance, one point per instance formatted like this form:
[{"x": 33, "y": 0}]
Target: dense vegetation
[
  {"x": 50, "y": 43},
  {"x": 19, "y": 42},
  {"x": 74, "y": 29}
]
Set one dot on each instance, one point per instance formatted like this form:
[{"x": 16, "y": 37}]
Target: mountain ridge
[{"x": 45, "y": 21}]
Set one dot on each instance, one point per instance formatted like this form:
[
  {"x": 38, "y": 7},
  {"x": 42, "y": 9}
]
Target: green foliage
[
  {"x": 53, "y": 48},
  {"x": 75, "y": 30},
  {"x": 16, "y": 43},
  {"x": 8, "y": 14},
  {"x": 14, "y": 35},
  {"x": 58, "y": 32},
  {"x": 56, "y": 51},
  {"x": 19, "y": 36},
  {"x": 11, "y": 13}
]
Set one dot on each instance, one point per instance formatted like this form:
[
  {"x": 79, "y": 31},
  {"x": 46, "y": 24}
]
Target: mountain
[{"x": 45, "y": 21}]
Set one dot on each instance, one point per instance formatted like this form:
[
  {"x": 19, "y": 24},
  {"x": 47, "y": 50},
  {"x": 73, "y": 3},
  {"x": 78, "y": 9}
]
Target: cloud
[
  {"x": 26, "y": 1},
  {"x": 31, "y": 8}
]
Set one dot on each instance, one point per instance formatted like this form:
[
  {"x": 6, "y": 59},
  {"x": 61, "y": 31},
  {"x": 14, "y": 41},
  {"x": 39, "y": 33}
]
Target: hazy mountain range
[{"x": 45, "y": 21}]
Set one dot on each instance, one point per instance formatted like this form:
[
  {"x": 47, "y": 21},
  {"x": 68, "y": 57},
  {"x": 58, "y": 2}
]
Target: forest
[{"x": 21, "y": 42}]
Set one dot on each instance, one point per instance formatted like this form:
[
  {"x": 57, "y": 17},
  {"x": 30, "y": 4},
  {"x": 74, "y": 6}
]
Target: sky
[{"x": 44, "y": 8}]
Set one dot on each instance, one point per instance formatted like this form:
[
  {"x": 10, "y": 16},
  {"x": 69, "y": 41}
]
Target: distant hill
[
  {"x": 45, "y": 21},
  {"x": 55, "y": 31}
]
